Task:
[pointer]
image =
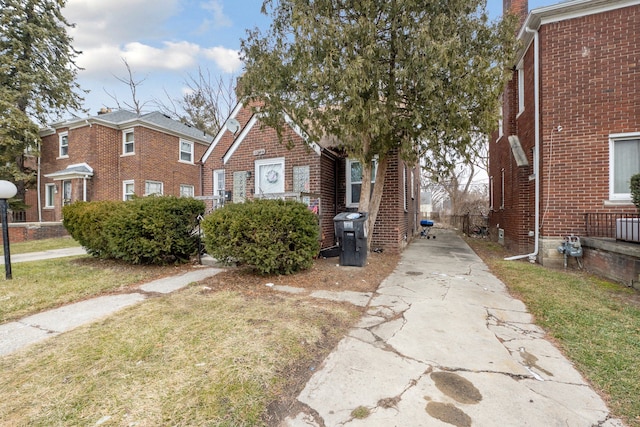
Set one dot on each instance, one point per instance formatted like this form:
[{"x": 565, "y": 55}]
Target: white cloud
[
  {"x": 219, "y": 20},
  {"x": 172, "y": 56},
  {"x": 228, "y": 60},
  {"x": 117, "y": 21}
]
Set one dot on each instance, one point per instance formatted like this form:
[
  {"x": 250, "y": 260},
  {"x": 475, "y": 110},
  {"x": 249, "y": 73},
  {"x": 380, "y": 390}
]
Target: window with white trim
[
  {"x": 153, "y": 187},
  {"x": 128, "y": 145},
  {"x": 128, "y": 190},
  {"x": 520, "y": 69},
  {"x": 186, "y": 151},
  {"x": 218, "y": 183},
  {"x": 624, "y": 162},
  {"x": 49, "y": 195},
  {"x": 491, "y": 193},
  {"x": 404, "y": 184},
  {"x": 500, "y": 122},
  {"x": 354, "y": 181},
  {"x": 186, "y": 190},
  {"x": 64, "y": 144},
  {"x": 502, "y": 189}
]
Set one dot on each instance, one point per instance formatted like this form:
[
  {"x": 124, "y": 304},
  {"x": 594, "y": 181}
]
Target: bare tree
[
  {"x": 135, "y": 104},
  {"x": 454, "y": 181},
  {"x": 206, "y": 103}
]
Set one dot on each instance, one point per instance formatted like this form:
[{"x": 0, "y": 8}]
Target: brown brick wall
[
  {"x": 589, "y": 85},
  {"x": 155, "y": 158}
]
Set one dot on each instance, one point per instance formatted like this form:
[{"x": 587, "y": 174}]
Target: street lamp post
[{"x": 7, "y": 191}]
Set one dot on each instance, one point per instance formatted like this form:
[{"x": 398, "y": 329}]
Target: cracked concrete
[{"x": 442, "y": 316}]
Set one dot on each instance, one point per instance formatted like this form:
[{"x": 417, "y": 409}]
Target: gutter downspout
[{"x": 536, "y": 150}]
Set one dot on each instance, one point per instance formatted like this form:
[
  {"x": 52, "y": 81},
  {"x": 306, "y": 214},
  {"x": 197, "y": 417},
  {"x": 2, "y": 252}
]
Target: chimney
[{"x": 520, "y": 8}]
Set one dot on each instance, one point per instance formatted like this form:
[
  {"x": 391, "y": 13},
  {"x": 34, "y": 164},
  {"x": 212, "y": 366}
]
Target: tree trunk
[{"x": 376, "y": 197}]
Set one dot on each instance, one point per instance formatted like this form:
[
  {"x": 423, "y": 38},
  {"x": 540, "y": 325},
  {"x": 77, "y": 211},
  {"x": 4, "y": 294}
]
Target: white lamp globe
[{"x": 7, "y": 189}]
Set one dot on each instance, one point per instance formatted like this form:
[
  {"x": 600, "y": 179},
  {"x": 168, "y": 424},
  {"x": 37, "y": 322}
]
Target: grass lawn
[
  {"x": 595, "y": 322},
  {"x": 192, "y": 358}
]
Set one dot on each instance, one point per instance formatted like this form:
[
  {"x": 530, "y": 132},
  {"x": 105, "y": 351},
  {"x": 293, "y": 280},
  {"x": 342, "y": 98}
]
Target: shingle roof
[{"x": 124, "y": 118}]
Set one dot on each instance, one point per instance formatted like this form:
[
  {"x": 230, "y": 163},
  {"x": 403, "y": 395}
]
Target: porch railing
[{"x": 613, "y": 225}]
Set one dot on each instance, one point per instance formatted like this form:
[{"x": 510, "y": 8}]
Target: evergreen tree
[
  {"x": 37, "y": 80},
  {"x": 382, "y": 76}
]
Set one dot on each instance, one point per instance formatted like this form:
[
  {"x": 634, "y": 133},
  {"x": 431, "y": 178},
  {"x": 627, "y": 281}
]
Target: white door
[{"x": 270, "y": 176}]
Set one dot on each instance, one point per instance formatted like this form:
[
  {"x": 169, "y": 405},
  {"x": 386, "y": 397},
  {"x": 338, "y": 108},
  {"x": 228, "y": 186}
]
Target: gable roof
[
  {"x": 122, "y": 119},
  {"x": 80, "y": 170},
  {"x": 247, "y": 128}
]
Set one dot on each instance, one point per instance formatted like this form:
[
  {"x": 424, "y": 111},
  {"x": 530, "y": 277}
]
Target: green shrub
[
  {"x": 635, "y": 190},
  {"x": 155, "y": 230},
  {"x": 85, "y": 223},
  {"x": 272, "y": 236},
  {"x": 150, "y": 230}
]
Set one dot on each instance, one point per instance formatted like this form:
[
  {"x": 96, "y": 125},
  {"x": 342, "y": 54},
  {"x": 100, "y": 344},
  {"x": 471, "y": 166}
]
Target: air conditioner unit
[{"x": 628, "y": 229}]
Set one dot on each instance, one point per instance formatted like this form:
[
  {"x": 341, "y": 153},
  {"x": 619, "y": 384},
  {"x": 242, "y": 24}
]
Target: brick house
[
  {"x": 246, "y": 160},
  {"x": 113, "y": 156},
  {"x": 570, "y": 135}
]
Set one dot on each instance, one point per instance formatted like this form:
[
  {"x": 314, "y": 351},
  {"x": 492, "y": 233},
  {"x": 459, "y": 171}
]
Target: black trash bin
[{"x": 351, "y": 232}]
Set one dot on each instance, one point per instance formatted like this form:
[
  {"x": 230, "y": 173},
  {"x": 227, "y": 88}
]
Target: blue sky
[{"x": 165, "y": 41}]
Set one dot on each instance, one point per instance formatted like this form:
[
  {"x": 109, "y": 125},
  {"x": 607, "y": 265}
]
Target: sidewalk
[
  {"x": 443, "y": 343},
  {"x": 50, "y": 254},
  {"x": 32, "y": 329}
]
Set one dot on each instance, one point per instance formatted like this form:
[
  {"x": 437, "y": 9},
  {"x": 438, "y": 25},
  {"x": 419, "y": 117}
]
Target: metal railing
[
  {"x": 17, "y": 216},
  {"x": 623, "y": 226}
]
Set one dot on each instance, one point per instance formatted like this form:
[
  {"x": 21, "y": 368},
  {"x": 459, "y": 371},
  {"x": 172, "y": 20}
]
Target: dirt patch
[
  {"x": 456, "y": 387},
  {"x": 325, "y": 274}
]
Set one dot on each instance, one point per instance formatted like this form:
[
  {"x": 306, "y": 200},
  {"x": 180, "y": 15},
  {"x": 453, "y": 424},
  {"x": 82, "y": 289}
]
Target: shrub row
[
  {"x": 272, "y": 236},
  {"x": 149, "y": 230}
]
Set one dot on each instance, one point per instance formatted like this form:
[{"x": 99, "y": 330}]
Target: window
[
  {"x": 354, "y": 181},
  {"x": 186, "y": 190},
  {"x": 500, "y": 122},
  {"x": 64, "y": 144},
  {"x": 186, "y": 151},
  {"x": 49, "y": 195},
  {"x": 404, "y": 184},
  {"x": 152, "y": 187},
  {"x": 128, "y": 190},
  {"x": 218, "y": 183},
  {"x": 520, "y": 87},
  {"x": 491, "y": 192},
  {"x": 270, "y": 176},
  {"x": 624, "y": 161},
  {"x": 128, "y": 142},
  {"x": 502, "y": 189}
]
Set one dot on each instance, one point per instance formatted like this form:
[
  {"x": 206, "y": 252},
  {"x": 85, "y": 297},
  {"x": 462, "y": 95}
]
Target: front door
[{"x": 66, "y": 193}]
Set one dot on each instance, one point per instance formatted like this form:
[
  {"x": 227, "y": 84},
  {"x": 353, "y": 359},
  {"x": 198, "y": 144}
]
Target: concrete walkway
[
  {"x": 32, "y": 329},
  {"x": 50, "y": 254},
  {"x": 443, "y": 343}
]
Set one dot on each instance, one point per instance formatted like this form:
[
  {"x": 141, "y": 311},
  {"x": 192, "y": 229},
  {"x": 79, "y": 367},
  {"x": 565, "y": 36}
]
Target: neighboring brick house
[
  {"x": 570, "y": 135},
  {"x": 113, "y": 156},
  {"x": 246, "y": 160}
]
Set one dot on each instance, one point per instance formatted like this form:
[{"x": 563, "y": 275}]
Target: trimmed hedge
[
  {"x": 634, "y": 187},
  {"x": 272, "y": 236},
  {"x": 149, "y": 230}
]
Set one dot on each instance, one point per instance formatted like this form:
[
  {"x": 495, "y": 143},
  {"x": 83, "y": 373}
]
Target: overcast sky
[{"x": 165, "y": 41}]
